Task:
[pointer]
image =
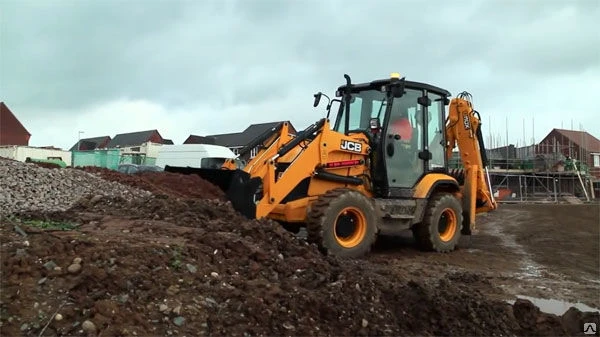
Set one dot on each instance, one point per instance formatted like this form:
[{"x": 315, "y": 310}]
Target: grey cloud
[{"x": 66, "y": 55}]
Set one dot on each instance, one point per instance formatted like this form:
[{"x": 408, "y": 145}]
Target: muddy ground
[
  {"x": 547, "y": 251},
  {"x": 170, "y": 265}
]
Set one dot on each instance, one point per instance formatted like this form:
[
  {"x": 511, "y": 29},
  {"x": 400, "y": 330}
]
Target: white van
[{"x": 193, "y": 155}]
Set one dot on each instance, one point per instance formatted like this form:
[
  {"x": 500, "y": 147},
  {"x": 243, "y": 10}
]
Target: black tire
[
  {"x": 323, "y": 220},
  {"x": 442, "y": 207}
]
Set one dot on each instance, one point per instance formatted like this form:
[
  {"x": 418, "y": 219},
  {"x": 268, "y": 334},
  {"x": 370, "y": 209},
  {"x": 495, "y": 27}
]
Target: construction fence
[{"x": 110, "y": 159}]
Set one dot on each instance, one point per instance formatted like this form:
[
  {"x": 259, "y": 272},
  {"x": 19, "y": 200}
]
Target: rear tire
[
  {"x": 440, "y": 229},
  {"x": 343, "y": 223}
]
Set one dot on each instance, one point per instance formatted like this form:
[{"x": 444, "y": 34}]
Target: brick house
[
  {"x": 12, "y": 132},
  {"x": 578, "y": 145},
  {"x": 137, "y": 139},
  {"x": 236, "y": 141},
  {"x": 89, "y": 144}
]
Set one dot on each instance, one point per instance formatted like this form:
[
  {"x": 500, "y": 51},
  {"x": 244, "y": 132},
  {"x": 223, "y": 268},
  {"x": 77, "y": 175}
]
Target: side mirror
[{"x": 317, "y": 99}]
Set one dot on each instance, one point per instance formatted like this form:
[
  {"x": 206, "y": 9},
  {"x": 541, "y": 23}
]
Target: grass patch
[
  {"x": 49, "y": 224},
  {"x": 176, "y": 258}
]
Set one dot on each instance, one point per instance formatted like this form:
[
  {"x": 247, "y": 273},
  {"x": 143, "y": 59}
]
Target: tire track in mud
[
  {"x": 533, "y": 279},
  {"x": 529, "y": 269}
]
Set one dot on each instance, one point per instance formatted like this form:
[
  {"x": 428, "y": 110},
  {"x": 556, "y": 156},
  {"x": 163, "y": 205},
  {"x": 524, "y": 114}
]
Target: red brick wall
[
  {"x": 12, "y": 131},
  {"x": 555, "y": 142},
  {"x": 9, "y": 137},
  {"x": 156, "y": 138}
]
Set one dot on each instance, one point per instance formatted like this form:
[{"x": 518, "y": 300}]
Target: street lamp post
[{"x": 79, "y": 140}]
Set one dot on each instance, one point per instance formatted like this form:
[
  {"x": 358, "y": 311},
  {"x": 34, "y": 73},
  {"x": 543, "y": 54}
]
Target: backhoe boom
[{"x": 463, "y": 129}]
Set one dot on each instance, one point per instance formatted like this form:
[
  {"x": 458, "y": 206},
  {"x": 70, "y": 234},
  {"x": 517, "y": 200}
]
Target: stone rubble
[{"x": 26, "y": 187}]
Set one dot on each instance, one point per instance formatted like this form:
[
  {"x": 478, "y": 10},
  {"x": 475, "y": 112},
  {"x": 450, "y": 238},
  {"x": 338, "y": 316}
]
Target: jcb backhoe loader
[{"x": 380, "y": 168}]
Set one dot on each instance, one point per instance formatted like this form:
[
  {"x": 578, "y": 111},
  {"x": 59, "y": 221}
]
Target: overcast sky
[{"x": 205, "y": 67}]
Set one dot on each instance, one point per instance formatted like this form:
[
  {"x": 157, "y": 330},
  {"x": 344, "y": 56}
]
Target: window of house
[
  {"x": 253, "y": 152},
  {"x": 597, "y": 160}
]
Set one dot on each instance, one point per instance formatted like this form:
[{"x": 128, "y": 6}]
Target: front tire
[
  {"x": 343, "y": 223},
  {"x": 440, "y": 229}
]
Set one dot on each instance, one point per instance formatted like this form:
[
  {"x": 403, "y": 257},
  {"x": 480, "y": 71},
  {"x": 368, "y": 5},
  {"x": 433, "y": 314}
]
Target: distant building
[
  {"x": 193, "y": 139},
  {"x": 135, "y": 139},
  {"x": 89, "y": 144},
  {"x": 502, "y": 153},
  {"x": 236, "y": 141},
  {"x": 578, "y": 145},
  {"x": 12, "y": 132}
]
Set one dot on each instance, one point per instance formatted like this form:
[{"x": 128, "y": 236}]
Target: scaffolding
[
  {"x": 541, "y": 178},
  {"x": 552, "y": 187}
]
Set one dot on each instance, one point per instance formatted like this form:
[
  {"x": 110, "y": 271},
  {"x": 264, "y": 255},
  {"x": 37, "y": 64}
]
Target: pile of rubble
[{"x": 29, "y": 187}]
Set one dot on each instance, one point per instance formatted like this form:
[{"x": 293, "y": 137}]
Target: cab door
[{"x": 403, "y": 141}]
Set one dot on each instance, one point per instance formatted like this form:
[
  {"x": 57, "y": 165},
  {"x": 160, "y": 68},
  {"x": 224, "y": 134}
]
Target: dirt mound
[
  {"x": 165, "y": 266},
  {"x": 168, "y": 183}
]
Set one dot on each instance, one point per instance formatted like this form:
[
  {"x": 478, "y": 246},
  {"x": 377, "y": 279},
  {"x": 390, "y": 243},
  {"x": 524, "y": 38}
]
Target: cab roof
[{"x": 377, "y": 84}]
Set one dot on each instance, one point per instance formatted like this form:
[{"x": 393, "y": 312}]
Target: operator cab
[{"x": 406, "y": 124}]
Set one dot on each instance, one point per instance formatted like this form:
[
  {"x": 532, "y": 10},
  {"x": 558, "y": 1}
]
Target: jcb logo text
[
  {"x": 466, "y": 122},
  {"x": 351, "y": 146}
]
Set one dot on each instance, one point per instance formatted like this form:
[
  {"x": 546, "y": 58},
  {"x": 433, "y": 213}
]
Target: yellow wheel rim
[
  {"x": 447, "y": 224},
  {"x": 350, "y": 227}
]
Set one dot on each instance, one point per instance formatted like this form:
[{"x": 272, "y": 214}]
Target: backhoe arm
[{"x": 463, "y": 129}]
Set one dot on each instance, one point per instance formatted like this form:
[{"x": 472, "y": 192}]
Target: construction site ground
[
  {"x": 545, "y": 251},
  {"x": 167, "y": 265}
]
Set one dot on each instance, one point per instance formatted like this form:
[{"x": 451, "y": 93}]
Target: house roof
[
  {"x": 167, "y": 142},
  {"x": 194, "y": 139},
  {"x": 582, "y": 139},
  {"x": 228, "y": 139},
  {"x": 131, "y": 139},
  {"x": 246, "y": 136},
  {"x": 90, "y": 143}
]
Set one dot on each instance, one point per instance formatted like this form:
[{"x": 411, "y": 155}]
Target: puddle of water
[{"x": 555, "y": 306}]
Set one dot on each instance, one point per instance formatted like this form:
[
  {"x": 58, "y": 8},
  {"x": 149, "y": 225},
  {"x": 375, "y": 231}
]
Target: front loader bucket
[
  {"x": 243, "y": 191},
  {"x": 240, "y": 189}
]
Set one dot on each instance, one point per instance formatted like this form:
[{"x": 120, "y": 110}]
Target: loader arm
[
  {"x": 268, "y": 142},
  {"x": 314, "y": 154},
  {"x": 463, "y": 129}
]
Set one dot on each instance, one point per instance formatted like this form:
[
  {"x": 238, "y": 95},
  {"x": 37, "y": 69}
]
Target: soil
[
  {"x": 540, "y": 250},
  {"x": 181, "y": 266},
  {"x": 165, "y": 183}
]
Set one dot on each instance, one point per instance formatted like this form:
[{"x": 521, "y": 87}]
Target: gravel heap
[{"x": 28, "y": 187}]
